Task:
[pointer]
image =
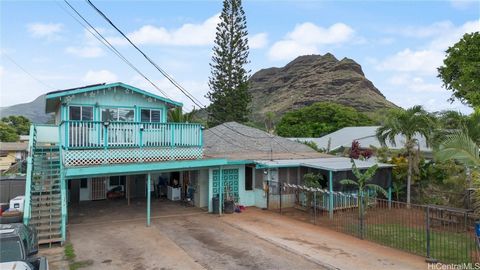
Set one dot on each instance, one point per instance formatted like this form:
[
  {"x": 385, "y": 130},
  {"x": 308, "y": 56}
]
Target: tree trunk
[{"x": 409, "y": 177}]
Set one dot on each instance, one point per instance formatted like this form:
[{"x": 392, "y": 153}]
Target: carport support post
[
  {"x": 149, "y": 195},
  {"x": 220, "y": 195},
  {"x": 330, "y": 197}
]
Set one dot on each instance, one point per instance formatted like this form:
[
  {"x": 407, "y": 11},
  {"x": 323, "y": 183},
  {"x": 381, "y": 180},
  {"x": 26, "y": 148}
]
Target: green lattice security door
[{"x": 230, "y": 183}]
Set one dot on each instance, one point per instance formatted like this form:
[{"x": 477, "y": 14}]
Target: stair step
[
  {"x": 54, "y": 228},
  {"x": 45, "y": 216},
  {"x": 46, "y": 196},
  {"x": 39, "y": 222},
  {"x": 44, "y": 235},
  {"x": 46, "y": 204},
  {"x": 48, "y": 241},
  {"x": 46, "y": 208}
]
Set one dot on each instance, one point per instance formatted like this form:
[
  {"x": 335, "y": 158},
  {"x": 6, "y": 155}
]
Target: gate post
[{"x": 429, "y": 258}]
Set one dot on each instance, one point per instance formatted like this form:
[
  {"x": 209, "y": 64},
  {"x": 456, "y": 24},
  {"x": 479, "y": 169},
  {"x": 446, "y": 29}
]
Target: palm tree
[
  {"x": 461, "y": 147},
  {"x": 363, "y": 186},
  {"x": 408, "y": 123},
  {"x": 176, "y": 115}
]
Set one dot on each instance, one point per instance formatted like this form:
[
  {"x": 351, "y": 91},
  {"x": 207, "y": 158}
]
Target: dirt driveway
[
  {"x": 192, "y": 239},
  {"x": 195, "y": 241}
]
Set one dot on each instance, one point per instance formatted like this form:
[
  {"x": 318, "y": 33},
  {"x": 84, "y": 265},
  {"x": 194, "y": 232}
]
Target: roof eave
[{"x": 59, "y": 95}]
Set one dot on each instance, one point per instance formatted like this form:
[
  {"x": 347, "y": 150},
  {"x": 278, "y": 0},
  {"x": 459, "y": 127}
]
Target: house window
[
  {"x": 118, "y": 114},
  {"x": 248, "y": 178},
  {"x": 81, "y": 113},
  {"x": 148, "y": 115},
  {"x": 83, "y": 183},
  {"x": 117, "y": 180}
]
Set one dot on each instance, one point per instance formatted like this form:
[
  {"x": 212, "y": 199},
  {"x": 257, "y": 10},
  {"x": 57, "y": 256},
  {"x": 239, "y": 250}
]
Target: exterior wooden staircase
[{"x": 45, "y": 192}]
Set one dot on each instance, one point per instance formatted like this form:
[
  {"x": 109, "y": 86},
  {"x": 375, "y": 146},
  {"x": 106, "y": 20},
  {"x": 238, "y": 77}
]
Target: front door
[{"x": 99, "y": 191}]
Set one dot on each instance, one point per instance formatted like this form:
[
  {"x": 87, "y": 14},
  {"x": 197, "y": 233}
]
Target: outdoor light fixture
[
  {"x": 142, "y": 127},
  {"x": 106, "y": 123},
  {"x": 265, "y": 172}
]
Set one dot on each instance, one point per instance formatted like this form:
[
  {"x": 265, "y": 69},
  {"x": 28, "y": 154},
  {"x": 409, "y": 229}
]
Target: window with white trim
[
  {"x": 118, "y": 114},
  {"x": 82, "y": 113},
  {"x": 150, "y": 115}
]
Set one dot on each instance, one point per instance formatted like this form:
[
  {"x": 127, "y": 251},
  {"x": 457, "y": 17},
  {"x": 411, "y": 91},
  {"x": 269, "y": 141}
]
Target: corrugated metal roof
[
  {"x": 239, "y": 142},
  {"x": 329, "y": 164},
  {"x": 13, "y": 146},
  {"x": 364, "y": 135}
]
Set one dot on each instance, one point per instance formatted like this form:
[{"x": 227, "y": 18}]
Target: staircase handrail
[{"x": 28, "y": 183}]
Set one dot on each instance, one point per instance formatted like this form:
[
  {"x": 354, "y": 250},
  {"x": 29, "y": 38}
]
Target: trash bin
[
  {"x": 215, "y": 205},
  {"x": 229, "y": 207}
]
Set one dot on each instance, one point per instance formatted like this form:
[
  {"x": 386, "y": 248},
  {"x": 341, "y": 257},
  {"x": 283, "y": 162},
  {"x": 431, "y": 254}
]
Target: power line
[
  {"x": 165, "y": 74},
  {"x": 105, "y": 42},
  {"x": 26, "y": 71}
]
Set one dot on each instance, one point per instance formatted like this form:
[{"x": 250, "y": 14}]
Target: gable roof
[
  {"x": 366, "y": 136},
  {"x": 53, "y": 97},
  {"x": 239, "y": 142}
]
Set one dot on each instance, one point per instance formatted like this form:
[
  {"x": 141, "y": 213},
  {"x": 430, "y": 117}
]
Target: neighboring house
[
  {"x": 12, "y": 153},
  {"x": 344, "y": 137},
  {"x": 116, "y": 135}
]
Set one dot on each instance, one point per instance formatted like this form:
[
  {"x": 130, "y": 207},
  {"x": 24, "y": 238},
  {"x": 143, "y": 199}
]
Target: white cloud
[
  {"x": 187, "y": 35},
  {"x": 415, "y": 83},
  {"x": 85, "y": 52},
  {"x": 426, "y": 60},
  {"x": 100, "y": 76},
  {"x": 258, "y": 41},
  {"x": 307, "y": 38},
  {"x": 45, "y": 30}
]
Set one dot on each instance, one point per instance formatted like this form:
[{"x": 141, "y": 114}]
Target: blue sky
[{"x": 398, "y": 43}]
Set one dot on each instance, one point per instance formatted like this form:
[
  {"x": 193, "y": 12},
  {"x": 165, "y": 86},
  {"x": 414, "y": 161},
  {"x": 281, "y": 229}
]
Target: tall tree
[
  {"x": 176, "y": 115},
  {"x": 408, "y": 123},
  {"x": 20, "y": 123},
  {"x": 460, "y": 72},
  {"x": 228, "y": 82}
]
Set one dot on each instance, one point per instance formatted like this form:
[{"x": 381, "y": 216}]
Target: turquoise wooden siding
[{"x": 117, "y": 97}]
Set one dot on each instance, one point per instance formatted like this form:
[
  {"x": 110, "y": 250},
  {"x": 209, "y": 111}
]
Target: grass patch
[
  {"x": 447, "y": 247},
  {"x": 71, "y": 256}
]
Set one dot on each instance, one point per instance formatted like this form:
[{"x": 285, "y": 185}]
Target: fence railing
[
  {"x": 97, "y": 134},
  {"x": 437, "y": 233}
]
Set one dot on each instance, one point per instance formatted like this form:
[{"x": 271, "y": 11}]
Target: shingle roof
[
  {"x": 236, "y": 141},
  {"x": 364, "y": 135}
]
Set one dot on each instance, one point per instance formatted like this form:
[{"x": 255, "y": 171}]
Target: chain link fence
[{"x": 438, "y": 233}]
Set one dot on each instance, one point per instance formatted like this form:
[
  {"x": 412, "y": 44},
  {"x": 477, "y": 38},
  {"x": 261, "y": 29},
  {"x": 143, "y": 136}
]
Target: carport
[{"x": 137, "y": 205}]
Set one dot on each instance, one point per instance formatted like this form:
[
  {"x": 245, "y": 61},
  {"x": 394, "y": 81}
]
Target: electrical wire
[
  {"x": 165, "y": 74},
  {"x": 26, "y": 71},
  {"x": 107, "y": 44}
]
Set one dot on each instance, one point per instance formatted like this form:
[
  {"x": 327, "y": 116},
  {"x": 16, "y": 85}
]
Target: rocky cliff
[{"x": 313, "y": 78}]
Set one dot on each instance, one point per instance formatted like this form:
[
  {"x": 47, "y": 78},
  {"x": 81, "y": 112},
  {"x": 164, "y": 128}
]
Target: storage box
[
  {"x": 173, "y": 194},
  {"x": 17, "y": 203}
]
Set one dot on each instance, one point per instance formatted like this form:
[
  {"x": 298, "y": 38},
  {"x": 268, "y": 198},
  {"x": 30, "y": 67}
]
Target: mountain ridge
[{"x": 309, "y": 79}]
